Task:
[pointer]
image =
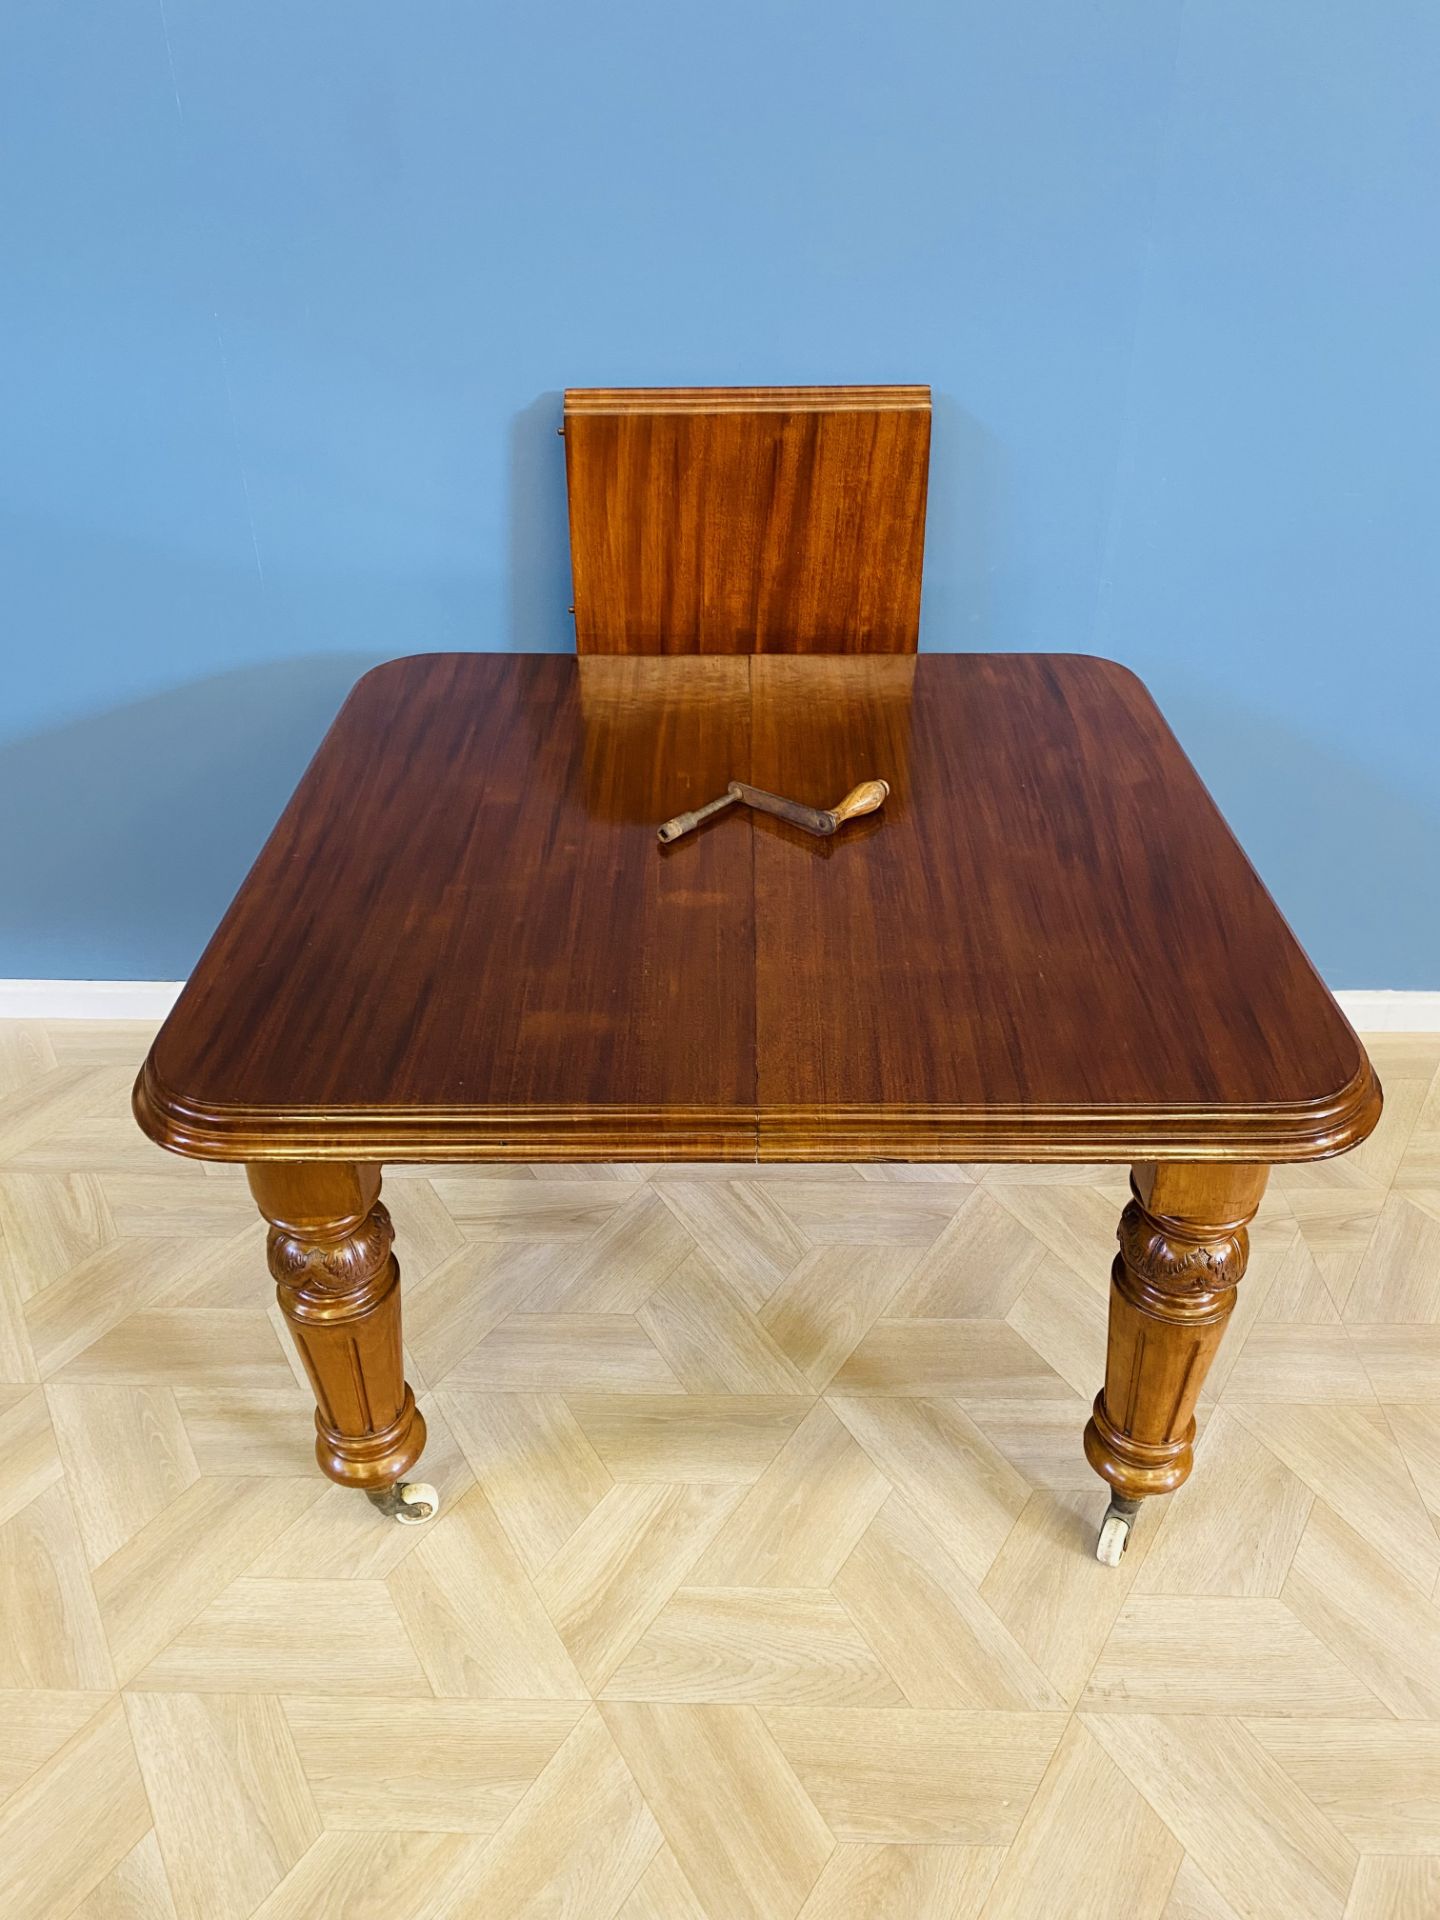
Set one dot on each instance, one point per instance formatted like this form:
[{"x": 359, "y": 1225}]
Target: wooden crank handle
[{"x": 865, "y": 798}]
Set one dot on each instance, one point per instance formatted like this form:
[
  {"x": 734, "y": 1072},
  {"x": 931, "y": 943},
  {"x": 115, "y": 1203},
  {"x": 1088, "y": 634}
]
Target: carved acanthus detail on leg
[
  {"x": 348, "y": 1262},
  {"x": 1183, "y": 1249},
  {"x": 1171, "y": 1258},
  {"x": 338, "y": 1285}
]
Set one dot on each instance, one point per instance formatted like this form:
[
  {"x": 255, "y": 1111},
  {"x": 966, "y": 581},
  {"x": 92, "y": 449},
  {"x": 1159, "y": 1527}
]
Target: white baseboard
[
  {"x": 1368, "y": 1010},
  {"x": 87, "y": 999},
  {"x": 1378, "y": 1010}
]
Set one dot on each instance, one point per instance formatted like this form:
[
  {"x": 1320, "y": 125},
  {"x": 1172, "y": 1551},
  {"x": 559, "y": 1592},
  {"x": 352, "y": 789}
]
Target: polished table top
[{"x": 463, "y": 940}]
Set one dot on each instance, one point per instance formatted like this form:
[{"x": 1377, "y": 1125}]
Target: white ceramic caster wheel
[
  {"x": 418, "y": 1502},
  {"x": 1114, "y": 1538},
  {"x": 412, "y": 1502}
]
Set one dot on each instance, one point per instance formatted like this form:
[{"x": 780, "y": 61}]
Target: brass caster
[
  {"x": 1115, "y": 1531},
  {"x": 411, "y": 1502}
]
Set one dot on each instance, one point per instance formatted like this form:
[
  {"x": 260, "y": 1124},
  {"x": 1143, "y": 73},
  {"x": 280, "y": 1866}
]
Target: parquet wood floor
[{"x": 763, "y": 1585}]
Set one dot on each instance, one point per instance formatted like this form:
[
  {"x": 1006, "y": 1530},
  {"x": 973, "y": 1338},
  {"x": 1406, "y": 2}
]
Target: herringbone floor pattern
[{"x": 763, "y": 1587}]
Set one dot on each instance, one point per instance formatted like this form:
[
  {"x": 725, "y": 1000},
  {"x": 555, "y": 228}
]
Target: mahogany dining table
[{"x": 464, "y": 942}]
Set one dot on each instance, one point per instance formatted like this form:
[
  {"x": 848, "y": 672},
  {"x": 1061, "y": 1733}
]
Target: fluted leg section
[
  {"x": 1183, "y": 1248},
  {"x": 339, "y": 1288}
]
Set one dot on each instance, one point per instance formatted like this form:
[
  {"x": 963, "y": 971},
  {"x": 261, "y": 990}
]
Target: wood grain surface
[
  {"x": 463, "y": 940},
  {"x": 747, "y": 519}
]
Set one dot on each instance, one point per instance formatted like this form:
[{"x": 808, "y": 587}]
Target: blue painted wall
[{"x": 288, "y": 292}]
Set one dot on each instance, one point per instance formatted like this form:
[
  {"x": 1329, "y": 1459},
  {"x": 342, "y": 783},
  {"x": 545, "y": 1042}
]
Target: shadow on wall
[
  {"x": 957, "y": 613},
  {"x": 128, "y": 833},
  {"x": 538, "y": 573}
]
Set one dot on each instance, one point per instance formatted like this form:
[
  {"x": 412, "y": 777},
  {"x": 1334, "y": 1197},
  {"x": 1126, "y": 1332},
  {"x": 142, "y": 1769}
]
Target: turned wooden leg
[
  {"x": 1183, "y": 1248},
  {"x": 339, "y": 1289}
]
